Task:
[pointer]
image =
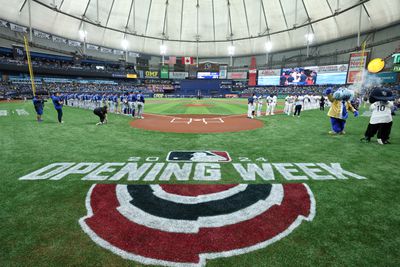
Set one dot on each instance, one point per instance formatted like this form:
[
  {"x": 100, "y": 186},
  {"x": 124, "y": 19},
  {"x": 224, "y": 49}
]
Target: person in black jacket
[
  {"x": 38, "y": 103},
  {"x": 102, "y": 113}
]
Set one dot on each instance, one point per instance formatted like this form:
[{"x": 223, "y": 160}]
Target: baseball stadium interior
[{"x": 200, "y": 132}]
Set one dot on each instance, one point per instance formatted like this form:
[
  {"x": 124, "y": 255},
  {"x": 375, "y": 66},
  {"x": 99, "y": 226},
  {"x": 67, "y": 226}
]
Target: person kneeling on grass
[
  {"x": 102, "y": 113},
  {"x": 38, "y": 103},
  {"x": 381, "y": 118}
]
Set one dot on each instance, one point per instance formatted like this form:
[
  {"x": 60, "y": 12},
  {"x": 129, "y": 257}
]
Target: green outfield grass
[{"x": 356, "y": 223}]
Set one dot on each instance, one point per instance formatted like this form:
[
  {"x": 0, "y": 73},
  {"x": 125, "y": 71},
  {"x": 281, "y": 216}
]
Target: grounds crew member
[
  {"x": 102, "y": 113},
  {"x": 38, "y": 103}
]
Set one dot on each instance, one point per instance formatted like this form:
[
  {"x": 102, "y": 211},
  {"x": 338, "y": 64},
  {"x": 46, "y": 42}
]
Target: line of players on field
[
  {"x": 129, "y": 104},
  {"x": 293, "y": 104}
]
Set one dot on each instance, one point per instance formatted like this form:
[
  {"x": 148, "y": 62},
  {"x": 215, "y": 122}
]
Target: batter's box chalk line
[{"x": 192, "y": 120}]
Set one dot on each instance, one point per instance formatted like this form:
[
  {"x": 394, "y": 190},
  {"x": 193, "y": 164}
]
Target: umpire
[{"x": 102, "y": 113}]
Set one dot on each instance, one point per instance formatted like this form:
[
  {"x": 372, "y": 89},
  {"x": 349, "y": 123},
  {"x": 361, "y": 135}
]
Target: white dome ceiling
[{"x": 213, "y": 23}]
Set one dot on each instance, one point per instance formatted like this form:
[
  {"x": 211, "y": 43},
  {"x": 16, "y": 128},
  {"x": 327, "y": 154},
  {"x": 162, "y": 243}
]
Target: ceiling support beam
[
  {"x": 87, "y": 6},
  {"x": 148, "y": 16},
  {"x": 22, "y": 6},
  {"x": 283, "y": 13},
  {"x": 308, "y": 16},
  {"x": 165, "y": 26},
  {"x": 180, "y": 30},
  {"x": 247, "y": 19},
  {"x": 229, "y": 20},
  {"x": 109, "y": 13},
  {"x": 265, "y": 17},
  {"x": 213, "y": 13},
  {"x": 129, "y": 15},
  {"x": 62, "y": 2}
]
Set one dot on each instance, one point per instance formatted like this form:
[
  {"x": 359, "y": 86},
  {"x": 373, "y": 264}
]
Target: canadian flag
[{"x": 187, "y": 60}]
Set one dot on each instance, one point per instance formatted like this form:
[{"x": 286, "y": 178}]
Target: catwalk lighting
[
  {"x": 231, "y": 50},
  {"x": 124, "y": 44},
  {"x": 82, "y": 34},
  {"x": 310, "y": 37},
  {"x": 268, "y": 46},
  {"x": 163, "y": 49}
]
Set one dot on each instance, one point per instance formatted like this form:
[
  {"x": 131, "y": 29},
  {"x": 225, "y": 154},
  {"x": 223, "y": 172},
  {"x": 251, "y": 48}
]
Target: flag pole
[{"x": 28, "y": 56}]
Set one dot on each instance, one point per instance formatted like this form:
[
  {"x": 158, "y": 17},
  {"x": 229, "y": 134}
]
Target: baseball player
[
  {"x": 250, "y": 106},
  {"x": 140, "y": 105},
  {"x": 259, "y": 105}
]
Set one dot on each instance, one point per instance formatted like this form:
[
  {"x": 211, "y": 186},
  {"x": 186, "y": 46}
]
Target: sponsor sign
[
  {"x": 57, "y": 39},
  {"x": 131, "y": 76},
  {"x": 223, "y": 71},
  {"x": 387, "y": 77},
  {"x": 18, "y": 28},
  {"x": 3, "y": 23},
  {"x": 92, "y": 47},
  {"x": 357, "y": 63},
  {"x": 190, "y": 223},
  {"x": 151, "y": 74},
  {"x": 106, "y": 50},
  {"x": 40, "y": 34},
  {"x": 396, "y": 62},
  {"x": 74, "y": 43},
  {"x": 237, "y": 75},
  {"x": 118, "y": 52},
  {"x": 178, "y": 75},
  {"x": 133, "y": 54},
  {"x": 208, "y": 67},
  {"x": 164, "y": 72}
]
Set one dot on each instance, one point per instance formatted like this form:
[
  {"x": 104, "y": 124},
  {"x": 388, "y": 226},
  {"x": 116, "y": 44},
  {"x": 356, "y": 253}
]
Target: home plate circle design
[{"x": 184, "y": 225}]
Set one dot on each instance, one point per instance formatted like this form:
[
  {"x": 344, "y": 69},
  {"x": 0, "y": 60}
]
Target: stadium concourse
[{"x": 199, "y": 133}]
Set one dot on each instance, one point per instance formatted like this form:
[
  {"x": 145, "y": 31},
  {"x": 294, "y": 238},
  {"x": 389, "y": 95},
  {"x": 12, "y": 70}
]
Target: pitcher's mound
[{"x": 197, "y": 123}]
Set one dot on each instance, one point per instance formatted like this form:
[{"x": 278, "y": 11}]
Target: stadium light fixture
[
  {"x": 268, "y": 46},
  {"x": 124, "y": 44},
  {"x": 231, "y": 50},
  {"x": 82, "y": 34},
  {"x": 310, "y": 37},
  {"x": 163, "y": 49}
]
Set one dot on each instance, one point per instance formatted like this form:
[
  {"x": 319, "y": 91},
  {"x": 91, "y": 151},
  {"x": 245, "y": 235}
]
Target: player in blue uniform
[
  {"x": 58, "y": 104},
  {"x": 250, "y": 106}
]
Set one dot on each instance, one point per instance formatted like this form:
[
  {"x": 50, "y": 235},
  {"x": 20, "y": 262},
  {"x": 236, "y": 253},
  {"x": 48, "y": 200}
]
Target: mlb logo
[{"x": 198, "y": 156}]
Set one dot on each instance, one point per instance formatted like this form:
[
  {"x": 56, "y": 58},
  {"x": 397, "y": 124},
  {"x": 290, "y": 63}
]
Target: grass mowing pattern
[{"x": 356, "y": 224}]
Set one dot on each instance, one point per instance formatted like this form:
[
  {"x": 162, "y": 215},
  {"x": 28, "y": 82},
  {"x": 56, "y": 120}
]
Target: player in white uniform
[
  {"x": 250, "y": 106},
  {"x": 290, "y": 102},
  {"x": 272, "y": 105},
  {"x": 259, "y": 105}
]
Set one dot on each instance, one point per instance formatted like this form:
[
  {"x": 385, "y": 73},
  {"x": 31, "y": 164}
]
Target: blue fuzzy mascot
[{"x": 339, "y": 110}]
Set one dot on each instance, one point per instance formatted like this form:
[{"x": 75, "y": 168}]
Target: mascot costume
[{"x": 339, "y": 110}]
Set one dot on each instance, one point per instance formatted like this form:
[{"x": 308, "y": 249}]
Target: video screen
[
  {"x": 298, "y": 76},
  {"x": 269, "y": 77},
  {"x": 332, "y": 74},
  {"x": 207, "y": 75}
]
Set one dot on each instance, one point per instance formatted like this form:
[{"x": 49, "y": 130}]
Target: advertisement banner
[
  {"x": 237, "y": 75},
  {"x": 178, "y": 75},
  {"x": 133, "y": 54},
  {"x": 223, "y": 71},
  {"x": 17, "y": 28},
  {"x": 357, "y": 63},
  {"x": 164, "y": 72},
  {"x": 57, "y": 39},
  {"x": 131, "y": 76},
  {"x": 105, "y": 50},
  {"x": 396, "y": 62},
  {"x": 387, "y": 77},
  {"x": 92, "y": 47},
  {"x": 118, "y": 52},
  {"x": 151, "y": 74},
  {"x": 3, "y": 23},
  {"x": 74, "y": 43},
  {"x": 253, "y": 72},
  {"x": 40, "y": 34}
]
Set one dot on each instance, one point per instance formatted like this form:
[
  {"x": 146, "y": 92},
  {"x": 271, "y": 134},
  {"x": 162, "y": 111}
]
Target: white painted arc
[
  {"x": 141, "y": 217},
  {"x": 160, "y": 193}
]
